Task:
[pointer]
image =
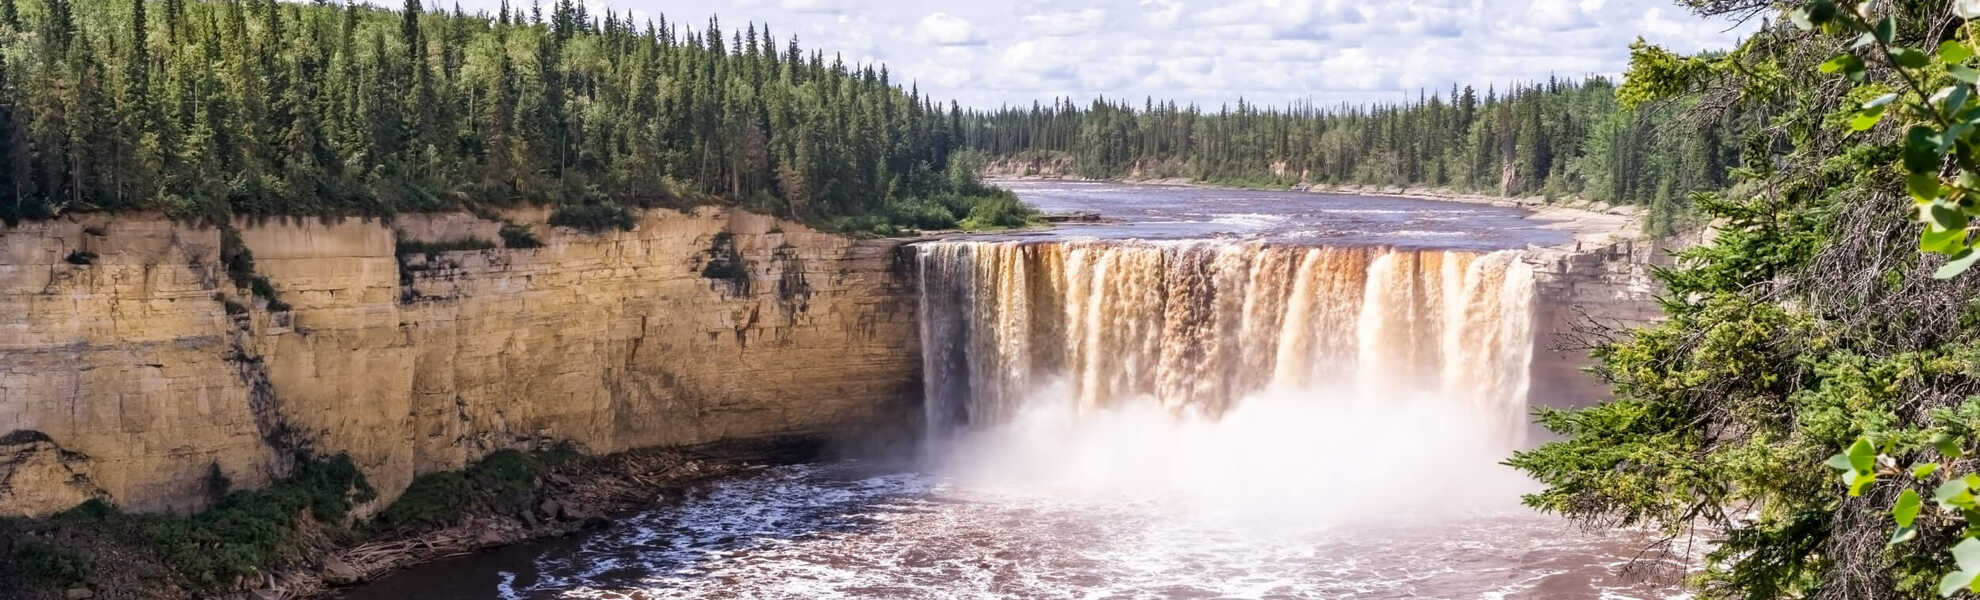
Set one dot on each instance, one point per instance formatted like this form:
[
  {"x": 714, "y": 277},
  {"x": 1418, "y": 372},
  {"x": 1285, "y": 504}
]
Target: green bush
[
  {"x": 593, "y": 218},
  {"x": 50, "y": 565},
  {"x": 432, "y": 499},
  {"x": 999, "y": 211},
  {"x": 518, "y": 236},
  {"x": 500, "y": 480},
  {"x": 408, "y": 246},
  {"x": 245, "y": 532}
]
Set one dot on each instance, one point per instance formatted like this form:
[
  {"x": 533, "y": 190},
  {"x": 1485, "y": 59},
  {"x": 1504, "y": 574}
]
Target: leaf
[
  {"x": 1866, "y": 118},
  {"x": 1921, "y": 153},
  {"x": 1947, "y": 444},
  {"x": 1860, "y": 482},
  {"x": 1886, "y": 29},
  {"x": 1840, "y": 462},
  {"x": 1967, "y": 554},
  {"x": 1959, "y": 264},
  {"x": 1902, "y": 535},
  {"x": 1955, "y": 581},
  {"x": 1951, "y": 104},
  {"x": 1945, "y": 493},
  {"x": 1907, "y": 507},
  {"x": 1964, "y": 73},
  {"x": 1953, "y": 52},
  {"x": 1880, "y": 101},
  {"x": 1940, "y": 240},
  {"x": 1924, "y": 470},
  {"x": 1909, "y": 58},
  {"x": 1950, "y": 219},
  {"x": 1842, "y": 63},
  {"x": 1862, "y": 456},
  {"x": 1923, "y": 186}
]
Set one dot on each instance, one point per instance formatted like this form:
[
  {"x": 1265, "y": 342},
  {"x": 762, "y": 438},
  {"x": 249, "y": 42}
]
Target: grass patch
[{"x": 500, "y": 481}]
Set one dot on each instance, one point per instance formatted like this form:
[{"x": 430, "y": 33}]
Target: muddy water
[{"x": 1217, "y": 395}]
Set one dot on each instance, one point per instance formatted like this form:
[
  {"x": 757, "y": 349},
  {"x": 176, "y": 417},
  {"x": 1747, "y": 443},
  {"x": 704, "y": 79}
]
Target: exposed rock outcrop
[{"x": 139, "y": 372}]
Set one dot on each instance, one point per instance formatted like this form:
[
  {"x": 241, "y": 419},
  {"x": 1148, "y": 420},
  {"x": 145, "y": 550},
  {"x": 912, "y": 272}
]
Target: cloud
[
  {"x": 1067, "y": 23},
  {"x": 832, "y": 7},
  {"x": 1161, "y": 13},
  {"x": 944, "y": 29},
  {"x": 1559, "y": 14},
  {"x": 1210, "y": 52}
]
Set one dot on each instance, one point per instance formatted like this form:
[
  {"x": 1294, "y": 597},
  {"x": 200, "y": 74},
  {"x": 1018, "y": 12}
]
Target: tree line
[
  {"x": 213, "y": 108},
  {"x": 1556, "y": 138}
]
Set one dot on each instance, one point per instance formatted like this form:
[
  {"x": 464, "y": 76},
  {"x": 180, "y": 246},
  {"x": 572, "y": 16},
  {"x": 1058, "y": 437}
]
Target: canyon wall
[
  {"x": 131, "y": 367},
  {"x": 1583, "y": 293}
]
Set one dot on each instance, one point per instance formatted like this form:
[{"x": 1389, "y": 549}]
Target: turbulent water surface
[{"x": 1224, "y": 395}]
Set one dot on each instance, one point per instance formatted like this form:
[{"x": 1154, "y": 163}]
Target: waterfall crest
[{"x": 1198, "y": 326}]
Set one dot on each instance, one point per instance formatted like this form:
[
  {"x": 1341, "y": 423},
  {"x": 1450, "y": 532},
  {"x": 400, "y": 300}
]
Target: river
[{"x": 1212, "y": 394}]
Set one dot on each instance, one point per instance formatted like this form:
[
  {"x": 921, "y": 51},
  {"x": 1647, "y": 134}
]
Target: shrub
[
  {"x": 81, "y": 257},
  {"x": 518, "y": 236},
  {"x": 999, "y": 211},
  {"x": 498, "y": 481},
  {"x": 432, "y": 499},
  {"x": 235, "y": 256},
  {"x": 51, "y": 565},
  {"x": 260, "y": 287},
  {"x": 593, "y": 218},
  {"x": 248, "y": 530},
  {"x": 408, "y": 246}
]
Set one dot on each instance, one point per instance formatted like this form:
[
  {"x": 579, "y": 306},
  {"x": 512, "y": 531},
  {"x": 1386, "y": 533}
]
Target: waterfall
[{"x": 1196, "y": 327}]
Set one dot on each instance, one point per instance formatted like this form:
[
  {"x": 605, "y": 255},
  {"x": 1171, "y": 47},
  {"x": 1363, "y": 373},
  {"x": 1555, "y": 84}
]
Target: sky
[{"x": 991, "y": 53}]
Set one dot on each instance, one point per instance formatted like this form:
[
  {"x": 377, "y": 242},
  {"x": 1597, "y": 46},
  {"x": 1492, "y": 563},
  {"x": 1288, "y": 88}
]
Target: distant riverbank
[{"x": 1590, "y": 223}]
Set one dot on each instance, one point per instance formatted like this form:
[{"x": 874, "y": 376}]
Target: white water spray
[{"x": 1235, "y": 377}]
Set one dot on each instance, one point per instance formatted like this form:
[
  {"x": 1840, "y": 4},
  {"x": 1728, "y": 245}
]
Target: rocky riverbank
[{"x": 561, "y": 492}]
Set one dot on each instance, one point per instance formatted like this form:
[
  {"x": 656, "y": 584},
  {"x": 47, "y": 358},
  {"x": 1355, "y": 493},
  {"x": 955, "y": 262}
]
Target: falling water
[
  {"x": 1197, "y": 327},
  {"x": 1171, "y": 410}
]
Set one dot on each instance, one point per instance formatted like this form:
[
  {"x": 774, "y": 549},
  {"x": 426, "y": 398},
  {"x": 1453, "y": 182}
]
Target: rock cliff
[{"x": 131, "y": 367}]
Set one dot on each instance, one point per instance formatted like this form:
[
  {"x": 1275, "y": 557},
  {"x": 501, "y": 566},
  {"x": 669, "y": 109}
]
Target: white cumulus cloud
[{"x": 944, "y": 29}]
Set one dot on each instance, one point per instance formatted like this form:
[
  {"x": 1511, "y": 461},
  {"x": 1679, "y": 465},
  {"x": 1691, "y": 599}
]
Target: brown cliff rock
[{"x": 694, "y": 327}]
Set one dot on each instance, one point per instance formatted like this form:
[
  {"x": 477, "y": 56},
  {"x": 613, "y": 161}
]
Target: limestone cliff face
[
  {"x": 128, "y": 378},
  {"x": 1580, "y": 290}
]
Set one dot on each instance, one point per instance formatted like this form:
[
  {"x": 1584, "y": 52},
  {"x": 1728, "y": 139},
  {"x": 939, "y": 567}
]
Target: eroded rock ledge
[{"x": 134, "y": 374}]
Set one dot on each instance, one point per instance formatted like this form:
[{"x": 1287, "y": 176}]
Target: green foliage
[
  {"x": 51, "y": 565},
  {"x": 408, "y": 246},
  {"x": 1935, "y": 107},
  {"x": 1002, "y": 211},
  {"x": 1558, "y": 138},
  {"x": 1807, "y": 329},
  {"x": 80, "y": 257},
  {"x": 218, "y": 109},
  {"x": 518, "y": 236},
  {"x": 431, "y": 499},
  {"x": 244, "y": 532},
  {"x": 499, "y": 481},
  {"x": 1655, "y": 74},
  {"x": 593, "y": 218}
]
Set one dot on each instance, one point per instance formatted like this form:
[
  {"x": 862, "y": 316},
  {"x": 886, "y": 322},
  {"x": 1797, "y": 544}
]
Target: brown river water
[{"x": 1219, "y": 394}]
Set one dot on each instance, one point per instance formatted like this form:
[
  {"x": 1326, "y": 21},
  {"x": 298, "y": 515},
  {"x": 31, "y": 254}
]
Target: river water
[{"x": 1216, "y": 394}]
